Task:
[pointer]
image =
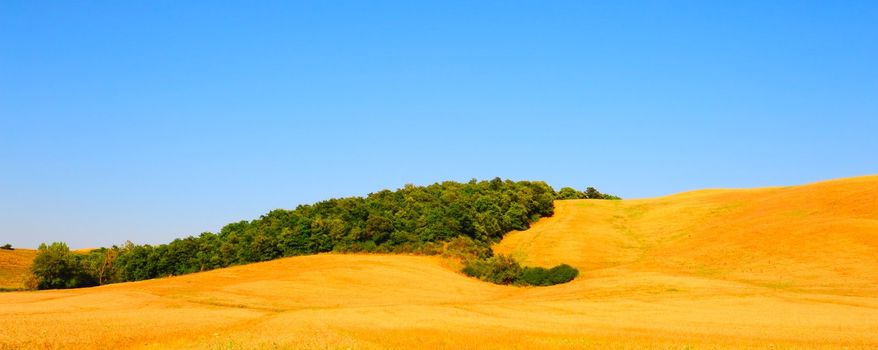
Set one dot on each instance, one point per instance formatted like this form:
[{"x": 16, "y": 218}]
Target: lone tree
[{"x": 6, "y": 246}]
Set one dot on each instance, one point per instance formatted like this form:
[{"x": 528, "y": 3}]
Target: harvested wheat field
[
  {"x": 786, "y": 267},
  {"x": 15, "y": 267}
]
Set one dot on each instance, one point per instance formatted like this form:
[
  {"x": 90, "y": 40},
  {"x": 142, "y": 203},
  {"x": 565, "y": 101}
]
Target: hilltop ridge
[
  {"x": 795, "y": 237},
  {"x": 788, "y": 267}
]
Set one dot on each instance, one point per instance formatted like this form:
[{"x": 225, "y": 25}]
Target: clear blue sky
[{"x": 151, "y": 120}]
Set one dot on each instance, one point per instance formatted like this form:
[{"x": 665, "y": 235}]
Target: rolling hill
[
  {"x": 784, "y": 267},
  {"x": 14, "y": 267}
]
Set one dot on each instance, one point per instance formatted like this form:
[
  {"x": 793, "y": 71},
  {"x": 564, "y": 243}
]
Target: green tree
[
  {"x": 515, "y": 218},
  {"x": 378, "y": 228},
  {"x": 56, "y": 267},
  {"x": 100, "y": 264},
  {"x": 569, "y": 193}
]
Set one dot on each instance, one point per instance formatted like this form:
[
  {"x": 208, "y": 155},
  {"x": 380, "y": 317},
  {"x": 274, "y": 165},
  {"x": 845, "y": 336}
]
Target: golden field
[
  {"x": 15, "y": 267},
  {"x": 771, "y": 268}
]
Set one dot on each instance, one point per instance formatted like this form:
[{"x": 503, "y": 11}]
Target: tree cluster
[
  {"x": 589, "y": 193},
  {"x": 55, "y": 266},
  {"x": 413, "y": 219},
  {"x": 6, "y": 246},
  {"x": 451, "y": 218}
]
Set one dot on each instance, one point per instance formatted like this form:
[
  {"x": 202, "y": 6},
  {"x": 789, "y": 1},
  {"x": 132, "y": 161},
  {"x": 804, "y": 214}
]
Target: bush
[
  {"x": 500, "y": 269},
  {"x": 7, "y": 246},
  {"x": 31, "y": 282},
  {"x": 503, "y": 269},
  {"x": 562, "y": 274},
  {"x": 538, "y": 276},
  {"x": 534, "y": 276}
]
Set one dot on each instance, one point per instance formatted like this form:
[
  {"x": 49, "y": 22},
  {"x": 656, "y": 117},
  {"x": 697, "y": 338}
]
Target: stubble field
[{"x": 787, "y": 267}]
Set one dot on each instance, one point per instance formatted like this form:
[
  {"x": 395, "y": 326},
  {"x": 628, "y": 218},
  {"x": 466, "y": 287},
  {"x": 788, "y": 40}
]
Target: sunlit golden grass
[
  {"x": 793, "y": 267},
  {"x": 15, "y": 267}
]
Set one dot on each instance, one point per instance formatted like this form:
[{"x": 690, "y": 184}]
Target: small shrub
[
  {"x": 7, "y": 246},
  {"x": 562, "y": 274},
  {"x": 503, "y": 269},
  {"x": 534, "y": 276},
  {"x": 538, "y": 276},
  {"x": 500, "y": 269},
  {"x": 31, "y": 282}
]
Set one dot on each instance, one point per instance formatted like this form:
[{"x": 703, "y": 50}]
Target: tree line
[
  {"x": 589, "y": 193},
  {"x": 413, "y": 219}
]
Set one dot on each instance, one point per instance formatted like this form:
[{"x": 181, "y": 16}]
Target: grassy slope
[
  {"x": 785, "y": 267},
  {"x": 816, "y": 238},
  {"x": 14, "y": 267}
]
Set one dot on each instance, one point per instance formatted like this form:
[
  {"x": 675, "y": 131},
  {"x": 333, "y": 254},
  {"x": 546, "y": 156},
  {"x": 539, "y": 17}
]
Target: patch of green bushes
[
  {"x": 589, "y": 193},
  {"x": 538, "y": 276},
  {"x": 503, "y": 269},
  {"x": 7, "y": 246},
  {"x": 499, "y": 269}
]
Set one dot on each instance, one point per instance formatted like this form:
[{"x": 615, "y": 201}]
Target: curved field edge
[
  {"x": 819, "y": 238},
  {"x": 706, "y": 269}
]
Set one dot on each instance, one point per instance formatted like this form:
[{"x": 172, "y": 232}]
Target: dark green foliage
[
  {"x": 7, "y": 246},
  {"x": 502, "y": 269},
  {"x": 538, "y": 276},
  {"x": 56, "y": 267},
  {"x": 592, "y": 193},
  {"x": 499, "y": 269},
  {"x": 562, "y": 274},
  {"x": 589, "y": 193},
  {"x": 569, "y": 193},
  {"x": 414, "y": 219},
  {"x": 100, "y": 265}
]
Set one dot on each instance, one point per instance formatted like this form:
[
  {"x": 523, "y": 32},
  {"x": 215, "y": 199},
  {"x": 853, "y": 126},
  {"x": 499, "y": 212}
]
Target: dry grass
[
  {"x": 778, "y": 268},
  {"x": 15, "y": 267}
]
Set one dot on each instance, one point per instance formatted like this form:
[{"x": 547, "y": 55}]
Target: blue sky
[{"x": 151, "y": 120}]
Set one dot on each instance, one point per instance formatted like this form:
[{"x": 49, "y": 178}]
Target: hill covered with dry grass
[
  {"x": 819, "y": 238},
  {"x": 14, "y": 267},
  {"x": 786, "y": 267}
]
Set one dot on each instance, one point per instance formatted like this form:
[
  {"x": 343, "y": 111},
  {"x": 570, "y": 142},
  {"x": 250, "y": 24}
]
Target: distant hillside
[
  {"x": 816, "y": 237},
  {"x": 772, "y": 268},
  {"x": 14, "y": 267}
]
